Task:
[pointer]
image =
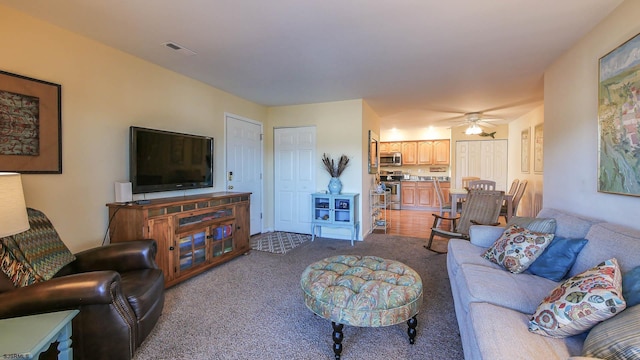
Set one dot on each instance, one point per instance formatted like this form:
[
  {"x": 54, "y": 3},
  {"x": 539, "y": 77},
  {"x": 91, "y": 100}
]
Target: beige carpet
[{"x": 252, "y": 308}]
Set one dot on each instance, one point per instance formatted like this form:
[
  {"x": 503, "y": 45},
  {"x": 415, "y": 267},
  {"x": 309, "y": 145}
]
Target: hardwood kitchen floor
[{"x": 417, "y": 223}]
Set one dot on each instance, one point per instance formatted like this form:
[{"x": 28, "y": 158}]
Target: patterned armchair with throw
[{"x": 118, "y": 288}]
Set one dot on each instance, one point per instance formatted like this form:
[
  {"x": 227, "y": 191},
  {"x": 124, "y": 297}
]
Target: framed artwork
[
  {"x": 538, "y": 148},
  {"x": 619, "y": 120},
  {"x": 525, "y": 149},
  {"x": 30, "y": 125}
]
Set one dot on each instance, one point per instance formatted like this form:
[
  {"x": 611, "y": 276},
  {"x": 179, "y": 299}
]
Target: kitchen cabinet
[
  {"x": 434, "y": 152},
  {"x": 441, "y": 152},
  {"x": 425, "y": 152},
  {"x": 390, "y": 147},
  {"x": 409, "y": 152},
  {"x": 408, "y": 194},
  {"x": 426, "y": 194},
  {"x": 421, "y": 195}
]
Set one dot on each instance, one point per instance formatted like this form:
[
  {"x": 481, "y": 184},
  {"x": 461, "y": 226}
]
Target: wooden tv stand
[{"x": 194, "y": 233}]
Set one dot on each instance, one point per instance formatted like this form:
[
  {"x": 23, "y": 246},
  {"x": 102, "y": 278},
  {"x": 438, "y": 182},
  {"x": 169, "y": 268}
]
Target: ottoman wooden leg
[
  {"x": 413, "y": 322},
  {"x": 337, "y": 339}
]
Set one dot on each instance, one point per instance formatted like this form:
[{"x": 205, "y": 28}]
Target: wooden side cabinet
[{"x": 194, "y": 233}]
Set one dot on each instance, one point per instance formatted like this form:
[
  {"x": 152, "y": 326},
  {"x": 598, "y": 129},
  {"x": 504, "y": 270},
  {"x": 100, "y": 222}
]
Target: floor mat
[{"x": 278, "y": 242}]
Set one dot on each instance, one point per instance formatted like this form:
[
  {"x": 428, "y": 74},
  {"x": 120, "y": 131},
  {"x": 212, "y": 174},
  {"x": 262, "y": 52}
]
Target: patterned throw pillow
[
  {"x": 517, "y": 248},
  {"x": 580, "y": 302}
]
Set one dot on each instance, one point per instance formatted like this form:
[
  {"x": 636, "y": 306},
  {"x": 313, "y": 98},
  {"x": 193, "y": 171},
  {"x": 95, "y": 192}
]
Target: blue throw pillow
[
  {"x": 631, "y": 286},
  {"x": 557, "y": 258}
]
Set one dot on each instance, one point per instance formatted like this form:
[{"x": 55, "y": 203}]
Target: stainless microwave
[{"x": 391, "y": 159}]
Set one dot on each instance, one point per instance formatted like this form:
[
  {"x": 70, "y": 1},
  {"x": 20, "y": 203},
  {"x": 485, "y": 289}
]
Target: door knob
[{"x": 230, "y": 187}]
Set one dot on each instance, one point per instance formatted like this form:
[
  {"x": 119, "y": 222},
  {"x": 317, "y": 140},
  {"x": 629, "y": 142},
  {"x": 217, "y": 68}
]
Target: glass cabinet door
[
  {"x": 321, "y": 208},
  {"x": 192, "y": 249},
  {"x": 342, "y": 209},
  {"x": 222, "y": 239}
]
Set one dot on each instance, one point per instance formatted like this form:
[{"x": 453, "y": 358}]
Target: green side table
[{"x": 27, "y": 336}]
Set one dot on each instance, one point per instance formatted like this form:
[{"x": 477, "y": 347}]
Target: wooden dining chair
[
  {"x": 516, "y": 200},
  {"x": 482, "y": 184},
  {"x": 466, "y": 179},
  {"x": 444, "y": 205},
  {"x": 514, "y": 187},
  {"x": 481, "y": 208}
]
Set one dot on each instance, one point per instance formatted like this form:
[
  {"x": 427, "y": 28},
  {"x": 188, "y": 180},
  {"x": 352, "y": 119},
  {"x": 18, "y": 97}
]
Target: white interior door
[
  {"x": 294, "y": 172},
  {"x": 244, "y": 163}
]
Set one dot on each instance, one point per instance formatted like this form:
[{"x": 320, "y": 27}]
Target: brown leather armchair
[{"x": 118, "y": 289}]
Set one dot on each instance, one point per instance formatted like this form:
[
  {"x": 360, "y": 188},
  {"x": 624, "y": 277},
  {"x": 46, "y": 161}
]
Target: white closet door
[
  {"x": 500, "y": 156},
  {"x": 486, "y": 159},
  {"x": 294, "y": 172}
]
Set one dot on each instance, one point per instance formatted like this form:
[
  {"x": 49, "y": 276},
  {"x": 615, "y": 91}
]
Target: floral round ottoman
[{"x": 366, "y": 291}]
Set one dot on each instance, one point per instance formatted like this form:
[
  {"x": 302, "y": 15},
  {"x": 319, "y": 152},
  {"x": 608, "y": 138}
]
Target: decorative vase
[{"x": 335, "y": 185}]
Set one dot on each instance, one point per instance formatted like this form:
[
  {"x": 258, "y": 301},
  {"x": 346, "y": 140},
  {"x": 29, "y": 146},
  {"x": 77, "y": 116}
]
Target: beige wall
[
  {"x": 531, "y": 202},
  {"x": 421, "y": 133},
  {"x": 571, "y": 123},
  {"x": 339, "y": 131},
  {"x": 104, "y": 91}
]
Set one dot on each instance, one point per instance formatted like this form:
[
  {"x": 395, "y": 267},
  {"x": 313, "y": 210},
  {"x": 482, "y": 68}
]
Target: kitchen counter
[{"x": 442, "y": 179}]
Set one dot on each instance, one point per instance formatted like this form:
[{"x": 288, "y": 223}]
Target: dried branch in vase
[{"x": 332, "y": 168}]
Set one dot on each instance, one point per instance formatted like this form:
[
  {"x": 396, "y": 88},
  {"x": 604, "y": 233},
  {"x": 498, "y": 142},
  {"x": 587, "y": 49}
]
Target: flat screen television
[{"x": 163, "y": 160}]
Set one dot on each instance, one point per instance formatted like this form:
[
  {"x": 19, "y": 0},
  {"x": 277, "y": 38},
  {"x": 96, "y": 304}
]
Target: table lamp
[{"x": 13, "y": 210}]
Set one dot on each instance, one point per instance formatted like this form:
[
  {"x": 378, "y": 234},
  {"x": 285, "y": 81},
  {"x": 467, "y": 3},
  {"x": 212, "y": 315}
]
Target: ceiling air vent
[{"x": 179, "y": 48}]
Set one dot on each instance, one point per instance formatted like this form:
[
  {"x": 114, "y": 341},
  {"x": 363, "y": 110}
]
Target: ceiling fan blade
[
  {"x": 455, "y": 118},
  {"x": 485, "y": 123}
]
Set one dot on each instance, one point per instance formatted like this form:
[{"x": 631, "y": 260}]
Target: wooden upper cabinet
[
  {"x": 441, "y": 152},
  {"x": 390, "y": 147},
  {"x": 409, "y": 152},
  {"x": 428, "y": 152},
  {"x": 425, "y": 152},
  {"x": 433, "y": 152}
]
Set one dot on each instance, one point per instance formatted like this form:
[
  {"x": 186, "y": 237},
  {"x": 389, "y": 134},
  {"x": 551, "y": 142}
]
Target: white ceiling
[{"x": 413, "y": 61}]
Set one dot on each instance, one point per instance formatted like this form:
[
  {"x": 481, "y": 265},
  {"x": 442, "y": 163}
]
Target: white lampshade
[{"x": 13, "y": 210}]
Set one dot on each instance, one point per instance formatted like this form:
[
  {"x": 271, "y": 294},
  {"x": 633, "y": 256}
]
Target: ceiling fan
[{"x": 472, "y": 120}]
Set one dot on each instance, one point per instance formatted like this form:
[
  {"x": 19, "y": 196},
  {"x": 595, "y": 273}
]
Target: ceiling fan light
[{"x": 473, "y": 129}]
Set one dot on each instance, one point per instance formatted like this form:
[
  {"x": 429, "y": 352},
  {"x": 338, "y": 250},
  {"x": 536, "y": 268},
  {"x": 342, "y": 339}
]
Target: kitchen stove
[{"x": 391, "y": 181}]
